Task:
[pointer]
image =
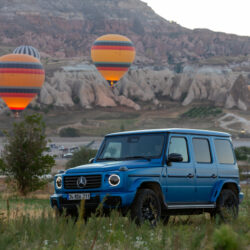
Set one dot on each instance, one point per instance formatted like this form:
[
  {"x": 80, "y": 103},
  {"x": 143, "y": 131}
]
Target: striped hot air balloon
[
  {"x": 21, "y": 78},
  {"x": 112, "y": 55},
  {"x": 27, "y": 50}
]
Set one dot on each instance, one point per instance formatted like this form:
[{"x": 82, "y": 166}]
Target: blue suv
[{"x": 154, "y": 174}]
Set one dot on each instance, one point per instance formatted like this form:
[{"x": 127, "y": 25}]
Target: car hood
[{"x": 107, "y": 166}]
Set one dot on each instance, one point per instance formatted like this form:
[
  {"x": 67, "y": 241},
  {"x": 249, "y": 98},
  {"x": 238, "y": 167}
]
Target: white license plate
[{"x": 79, "y": 196}]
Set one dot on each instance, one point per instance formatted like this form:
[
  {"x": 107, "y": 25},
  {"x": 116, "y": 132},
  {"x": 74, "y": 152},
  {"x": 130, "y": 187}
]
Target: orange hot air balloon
[
  {"x": 21, "y": 79},
  {"x": 112, "y": 55}
]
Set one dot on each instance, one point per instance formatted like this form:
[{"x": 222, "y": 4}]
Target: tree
[
  {"x": 81, "y": 157},
  {"x": 23, "y": 159},
  {"x": 242, "y": 153}
]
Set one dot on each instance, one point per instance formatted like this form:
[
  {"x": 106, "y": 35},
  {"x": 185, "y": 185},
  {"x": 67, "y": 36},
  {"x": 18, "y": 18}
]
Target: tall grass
[{"x": 26, "y": 231}]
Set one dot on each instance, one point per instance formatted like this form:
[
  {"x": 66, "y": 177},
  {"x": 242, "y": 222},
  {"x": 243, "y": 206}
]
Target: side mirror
[
  {"x": 91, "y": 160},
  {"x": 174, "y": 157}
]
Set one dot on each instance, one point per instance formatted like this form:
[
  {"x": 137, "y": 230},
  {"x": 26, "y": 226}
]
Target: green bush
[
  {"x": 69, "y": 132},
  {"x": 242, "y": 153},
  {"x": 226, "y": 239},
  {"x": 81, "y": 157}
]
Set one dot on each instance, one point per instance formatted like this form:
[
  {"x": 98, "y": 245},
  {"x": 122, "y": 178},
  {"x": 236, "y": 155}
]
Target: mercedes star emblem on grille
[{"x": 81, "y": 182}]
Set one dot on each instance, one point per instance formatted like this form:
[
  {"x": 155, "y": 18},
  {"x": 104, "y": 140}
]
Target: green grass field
[{"x": 29, "y": 223}]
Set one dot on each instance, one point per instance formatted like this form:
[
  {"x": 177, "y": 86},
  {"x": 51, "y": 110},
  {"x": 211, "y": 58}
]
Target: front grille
[{"x": 93, "y": 181}]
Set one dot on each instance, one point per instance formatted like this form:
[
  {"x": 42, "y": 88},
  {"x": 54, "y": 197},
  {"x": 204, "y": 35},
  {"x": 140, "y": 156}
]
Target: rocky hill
[
  {"x": 67, "y": 28},
  {"x": 172, "y": 62}
]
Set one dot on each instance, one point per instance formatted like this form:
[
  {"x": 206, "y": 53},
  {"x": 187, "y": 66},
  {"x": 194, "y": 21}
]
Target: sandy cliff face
[{"x": 88, "y": 89}]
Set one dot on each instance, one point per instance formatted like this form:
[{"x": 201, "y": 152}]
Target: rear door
[
  {"x": 180, "y": 184},
  {"x": 205, "y": 167}
]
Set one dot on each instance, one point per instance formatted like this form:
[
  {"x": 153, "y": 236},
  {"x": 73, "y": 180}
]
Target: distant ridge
[{"x": 67, "y": 28}]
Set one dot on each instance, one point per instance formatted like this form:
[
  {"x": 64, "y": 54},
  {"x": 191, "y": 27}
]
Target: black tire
[
  {"x": 72, "y": 212},
  {"x": 165, "y": 219},
  {"x": 146, "y": 207},
  {"x": 227, "y": 206}
]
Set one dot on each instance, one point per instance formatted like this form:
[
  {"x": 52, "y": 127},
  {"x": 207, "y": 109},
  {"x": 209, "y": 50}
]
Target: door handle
[
  {"x": 190, "y": 175},
  {"x": 213, "y": 176}
]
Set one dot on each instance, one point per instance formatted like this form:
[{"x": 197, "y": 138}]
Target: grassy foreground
[{"x": 27, "y": 223}]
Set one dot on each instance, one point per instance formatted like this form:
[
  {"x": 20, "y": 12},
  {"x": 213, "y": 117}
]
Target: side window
[
  {"x": 224, "y": 151},
  {"x": 201, "y": 150},
  {"x": 179, "y": 145}
]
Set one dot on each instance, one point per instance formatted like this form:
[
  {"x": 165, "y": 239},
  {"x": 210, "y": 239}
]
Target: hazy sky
[{"x": 230, "y": 16}]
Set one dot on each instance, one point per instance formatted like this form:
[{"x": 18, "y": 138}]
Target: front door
[{"x": 180, "y": 181}]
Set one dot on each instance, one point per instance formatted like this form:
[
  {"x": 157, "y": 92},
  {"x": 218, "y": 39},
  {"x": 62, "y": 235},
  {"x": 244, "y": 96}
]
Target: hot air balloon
[
  {"x": 112, "y": 55},
  {"x": 21, "y": 78},
  {"x": 27, "y": 50}
]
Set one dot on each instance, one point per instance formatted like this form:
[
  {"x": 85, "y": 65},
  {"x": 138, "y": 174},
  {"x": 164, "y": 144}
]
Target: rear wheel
[
  {"x": 227, "y": 206},
  {"x": 146, "y": 207}
]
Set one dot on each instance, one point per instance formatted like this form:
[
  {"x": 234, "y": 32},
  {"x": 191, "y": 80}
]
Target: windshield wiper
[
  {"x": 108, "y": 159},
  {"x": 137, "y": 157}
]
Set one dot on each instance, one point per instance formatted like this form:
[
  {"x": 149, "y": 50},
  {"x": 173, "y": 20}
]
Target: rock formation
[
  {"x": 172, "y": 62},
  {"x": 145, "y": 86}
]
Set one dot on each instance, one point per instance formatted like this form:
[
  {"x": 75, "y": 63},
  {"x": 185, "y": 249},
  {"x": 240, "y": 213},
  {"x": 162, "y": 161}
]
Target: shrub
[
  {"x": 226, "y": 238},
  {"x": 23, "y": 159},
  {"x": 242, "y": 153},
  {"x": 69, "y": 132},
  {"x": 81, "y": 157}
]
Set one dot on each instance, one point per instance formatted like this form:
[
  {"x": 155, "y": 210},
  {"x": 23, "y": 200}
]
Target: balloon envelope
[
  {"x": 27, "y": 50},
  {"x": 21, "y": 79},
  {"x": 112, "y": 55}
]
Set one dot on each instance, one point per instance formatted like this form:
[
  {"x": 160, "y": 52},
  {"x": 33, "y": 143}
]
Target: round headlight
[
  {"x": 59, "y": 182},
  {"x": 114, "y": 180}
]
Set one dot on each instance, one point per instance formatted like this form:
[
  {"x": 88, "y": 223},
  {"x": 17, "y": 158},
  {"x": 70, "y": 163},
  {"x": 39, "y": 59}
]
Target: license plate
[{"x": 77, "y": 196}]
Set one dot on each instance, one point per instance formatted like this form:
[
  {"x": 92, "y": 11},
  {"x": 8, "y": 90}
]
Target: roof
[{"x": 173, "y": 130}]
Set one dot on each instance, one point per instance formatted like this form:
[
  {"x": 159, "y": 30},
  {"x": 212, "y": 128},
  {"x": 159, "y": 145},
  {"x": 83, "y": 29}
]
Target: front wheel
[
  {"x": 227, "y": 205},
  {"x": 146, "y": 207}
]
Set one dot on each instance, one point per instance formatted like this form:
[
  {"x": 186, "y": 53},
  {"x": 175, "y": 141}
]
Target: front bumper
[{"x": 113, "y": 200}]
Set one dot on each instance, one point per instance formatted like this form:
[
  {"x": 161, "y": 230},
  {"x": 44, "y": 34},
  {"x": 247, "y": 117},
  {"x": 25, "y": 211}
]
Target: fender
[
  {"x": 137, "y": 183},
  {"x": 218, "y": 187}
]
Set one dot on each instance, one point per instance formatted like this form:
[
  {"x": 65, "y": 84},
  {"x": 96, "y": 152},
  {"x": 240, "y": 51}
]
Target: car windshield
[{"x": 129, "y": 147}]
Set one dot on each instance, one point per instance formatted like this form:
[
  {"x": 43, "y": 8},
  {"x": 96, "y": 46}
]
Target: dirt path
[{"x": 230, "y": 119}]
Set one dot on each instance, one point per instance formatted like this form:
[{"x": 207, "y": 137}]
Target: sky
[{"x": 229, "y": 16}]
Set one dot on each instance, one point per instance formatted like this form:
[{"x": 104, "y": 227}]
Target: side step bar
[{"x": 190, "y": 206}]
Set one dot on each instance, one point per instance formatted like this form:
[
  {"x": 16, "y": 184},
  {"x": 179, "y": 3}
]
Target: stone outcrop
[{"x": 88, "y": 89}]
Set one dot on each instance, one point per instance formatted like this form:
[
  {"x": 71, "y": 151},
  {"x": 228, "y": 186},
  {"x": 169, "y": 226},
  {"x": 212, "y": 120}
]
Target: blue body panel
[
  {"x": 174, "y": 131},
  {"x": 204, "y": 187}
]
